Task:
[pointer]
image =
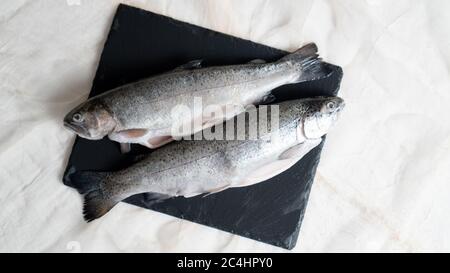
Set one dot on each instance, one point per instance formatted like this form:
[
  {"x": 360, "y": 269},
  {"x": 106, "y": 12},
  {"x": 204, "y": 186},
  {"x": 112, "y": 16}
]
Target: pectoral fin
[
  {"x": 127, "y": 136},
  {"x": 300, "y": 150},
  {"x": 149, "y": 138},
  {"x": 286, "y": 160}
]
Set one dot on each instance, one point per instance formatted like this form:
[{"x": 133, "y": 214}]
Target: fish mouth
[{"x": 78, "y": 129}]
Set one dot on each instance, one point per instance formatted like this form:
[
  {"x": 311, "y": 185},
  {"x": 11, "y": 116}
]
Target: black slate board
[{"x": 140, "y": 44}]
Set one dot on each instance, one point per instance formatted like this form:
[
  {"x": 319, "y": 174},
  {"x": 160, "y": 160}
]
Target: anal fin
[{"x": 151, "y": 198}]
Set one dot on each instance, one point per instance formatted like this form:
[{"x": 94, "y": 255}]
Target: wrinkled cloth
[{"x": 383, "y": 180}]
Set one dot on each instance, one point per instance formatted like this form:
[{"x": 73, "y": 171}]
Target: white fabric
[{"x": 382, "y": 184}]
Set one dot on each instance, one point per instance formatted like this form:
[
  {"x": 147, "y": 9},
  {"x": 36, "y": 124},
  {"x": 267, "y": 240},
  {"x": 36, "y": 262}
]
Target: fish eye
[
  {"x": 77, "y": 117},
  {"x": 331, "y": 105}
]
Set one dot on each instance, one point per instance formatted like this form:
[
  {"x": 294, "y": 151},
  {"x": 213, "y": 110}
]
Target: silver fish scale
[
  {"x": 193, "y": 167},
  {"x": 148, "y": 103}
]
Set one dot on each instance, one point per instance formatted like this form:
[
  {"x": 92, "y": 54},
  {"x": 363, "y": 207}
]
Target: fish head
[
  {"x": 321, "y": 114},
  {"x": 91, "y": 120}
]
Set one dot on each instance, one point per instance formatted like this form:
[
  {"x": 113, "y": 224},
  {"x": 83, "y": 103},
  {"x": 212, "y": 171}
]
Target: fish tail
[
  {"x": 96, "y": 202},
  {"x": 306, "y": 60}
]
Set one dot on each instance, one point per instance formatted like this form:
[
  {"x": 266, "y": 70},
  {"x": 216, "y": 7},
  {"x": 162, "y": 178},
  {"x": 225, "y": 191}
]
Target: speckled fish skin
[
  {"x": 189, "y": 168},
  {"x": 147, "y": 104}
]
